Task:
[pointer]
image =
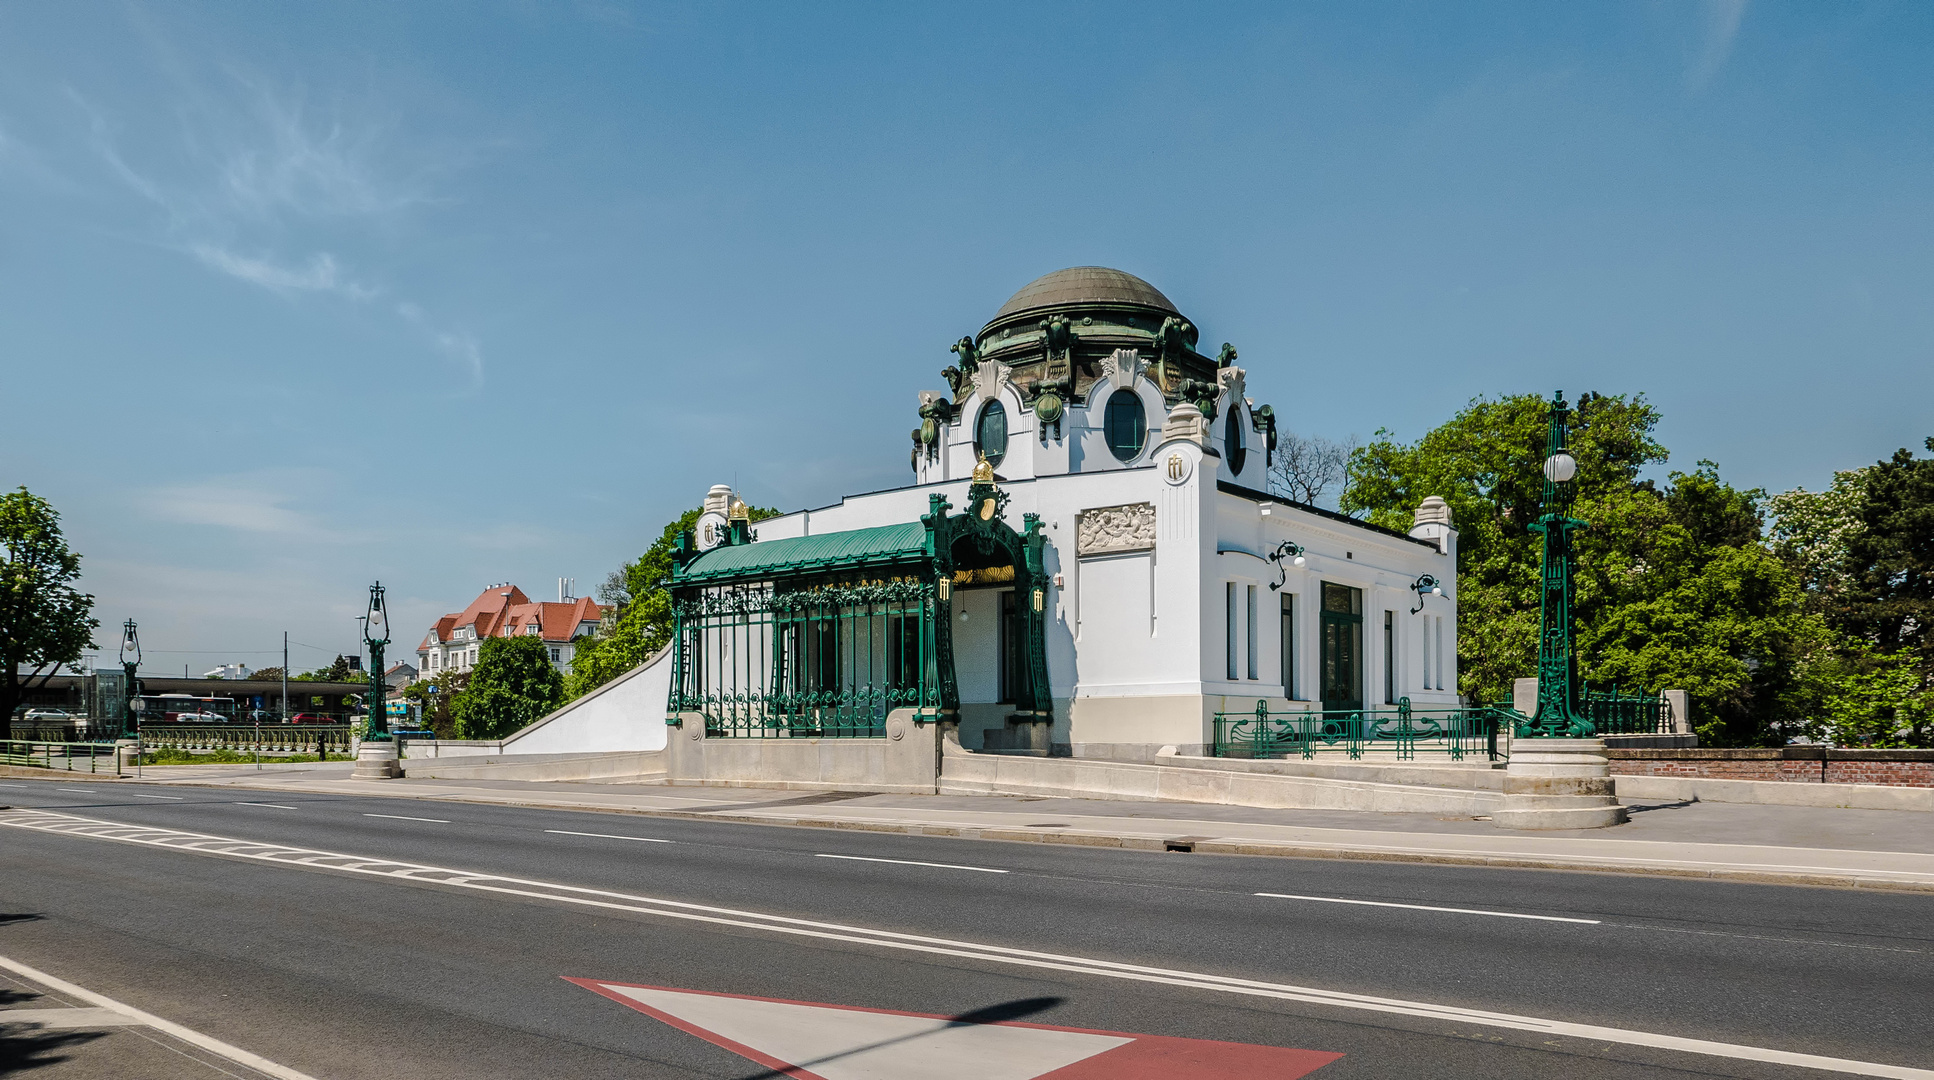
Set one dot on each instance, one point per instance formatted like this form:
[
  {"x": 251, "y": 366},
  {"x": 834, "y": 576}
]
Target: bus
[{"x": 184, "y": 709}]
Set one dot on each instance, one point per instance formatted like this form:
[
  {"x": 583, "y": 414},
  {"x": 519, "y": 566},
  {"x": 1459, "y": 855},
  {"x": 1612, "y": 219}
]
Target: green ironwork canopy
[{"x": 825, "y": 635}]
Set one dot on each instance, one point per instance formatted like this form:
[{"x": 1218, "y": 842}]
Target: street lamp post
[
  {"x": 376, "y": 757},
  {"x": 1557, "y": 712},
  {"x": 1559, "y": 777},
  {"x": 130, "y": 660}
]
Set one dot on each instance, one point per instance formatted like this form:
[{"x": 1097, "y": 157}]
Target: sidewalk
[{"x": 1778, "y": 844}]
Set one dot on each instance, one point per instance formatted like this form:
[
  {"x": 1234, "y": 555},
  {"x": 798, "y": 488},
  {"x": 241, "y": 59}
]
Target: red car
[{"x": 312, "y": 718}]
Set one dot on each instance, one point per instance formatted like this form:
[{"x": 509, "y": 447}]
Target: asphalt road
[{"x": 343, "y": 975}]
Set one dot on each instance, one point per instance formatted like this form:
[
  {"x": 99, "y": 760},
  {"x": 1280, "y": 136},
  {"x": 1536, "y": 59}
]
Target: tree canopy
[
  {"x": 44, "y": 621},
  {"x": 1675, "y": 587},
  {"x": 642, "y": 625},
  {"x": 513, "y": 684}
]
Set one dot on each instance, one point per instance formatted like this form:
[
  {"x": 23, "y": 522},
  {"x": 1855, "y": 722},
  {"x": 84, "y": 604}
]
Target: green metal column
[
  {"x": 1557, "y": 714},
  {"x": 376, "y": 633}
]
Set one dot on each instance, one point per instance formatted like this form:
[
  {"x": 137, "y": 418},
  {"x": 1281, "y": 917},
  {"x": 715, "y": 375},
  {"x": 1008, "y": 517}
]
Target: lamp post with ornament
[
  {"x": 376, "y": 754},
  {"x": 1559, "y": 777}
]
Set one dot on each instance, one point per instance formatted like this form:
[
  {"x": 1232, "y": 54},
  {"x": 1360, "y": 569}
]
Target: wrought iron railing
[
  {"x": 242, "y": 738},
  {"x": 1401, "y": 729},
  {"x": 1613, "y": 713},
  {"x": 830, "y": 660},
  {"x": 71, "y": 756}
]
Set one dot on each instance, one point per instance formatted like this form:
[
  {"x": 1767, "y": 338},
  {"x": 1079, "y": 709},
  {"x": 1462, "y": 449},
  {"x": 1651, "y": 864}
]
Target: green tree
[
  {"x": 44, "y": 621},
  {"x": 433, "y": 697},
  {"x": 1675, "y": 587},
  {"x": 1890, "y": 560},
  {"x": 513, "y": 684},
  {"x": 642, "y": 625}
]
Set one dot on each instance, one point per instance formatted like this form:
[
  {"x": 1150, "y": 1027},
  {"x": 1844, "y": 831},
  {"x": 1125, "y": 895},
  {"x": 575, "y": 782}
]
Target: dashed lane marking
[
  {"x": 406, "y": 817},
  {"x": 170, "y": 798},
  {"x": 910, "y": 862},
  {"x": 270, "y": 805},
  {"x": 1427, "y": 907},
  {"x": 188, "y": 1035},
  {"x": 611, "y": 836},
  {"x": 285, "y": 855}
]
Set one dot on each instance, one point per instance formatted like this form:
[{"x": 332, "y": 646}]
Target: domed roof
[{"x": 1085, "y": 285}]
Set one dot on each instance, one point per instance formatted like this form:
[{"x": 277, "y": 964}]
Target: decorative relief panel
[{"x": 1108, "y": 529}]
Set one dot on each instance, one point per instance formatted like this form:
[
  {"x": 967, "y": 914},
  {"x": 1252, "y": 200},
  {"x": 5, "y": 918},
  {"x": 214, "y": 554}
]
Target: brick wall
[{"x": 1792, "y": 764}]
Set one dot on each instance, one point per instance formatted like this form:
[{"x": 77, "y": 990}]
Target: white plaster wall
[{"x": 627, "y": 713}]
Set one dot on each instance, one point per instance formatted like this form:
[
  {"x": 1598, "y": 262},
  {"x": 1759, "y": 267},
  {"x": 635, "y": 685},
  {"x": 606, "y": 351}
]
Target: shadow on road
[{"x": 991, "y": 1014}]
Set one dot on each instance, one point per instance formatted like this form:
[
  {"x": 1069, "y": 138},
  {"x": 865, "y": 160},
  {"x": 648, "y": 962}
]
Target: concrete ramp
[
  {"x": 965, "y": 772},
  {"x": 627, "y": 713}
]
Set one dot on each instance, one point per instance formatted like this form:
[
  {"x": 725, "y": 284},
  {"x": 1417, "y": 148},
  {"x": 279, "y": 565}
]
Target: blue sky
[{"x": 297, "y": 296}]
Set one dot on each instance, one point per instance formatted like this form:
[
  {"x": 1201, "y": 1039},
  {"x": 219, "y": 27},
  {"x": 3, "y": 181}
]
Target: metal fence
[
  {"x": 1401, "y": 729},
  {"x": 1613, "y": 713},
  {"x": 828, "y": 660},
  {"x": 72, "y": 756},
  {"x": 246, "y": 738}
]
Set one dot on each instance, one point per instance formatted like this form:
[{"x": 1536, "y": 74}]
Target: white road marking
[
  {"x": 68, "y": 1019},
  {"x": 188, "y": 1035},
  {"x": 1427, "y": 907},
  {"x": 138, "y": 795},
  {"x": 87, "y": 790},
  {"x": 910, "y": 862},
  {"x": 402, "y": 817},
  {"x": 270, "y": 805},
  {"x": 556, "y": 892},
  {"x": 611, "y": 836}
]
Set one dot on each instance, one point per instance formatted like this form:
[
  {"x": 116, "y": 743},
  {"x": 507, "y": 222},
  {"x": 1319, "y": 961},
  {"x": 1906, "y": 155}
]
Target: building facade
[
  {"x": 504, "y": 611},
  {"x": 1087, "y": 562}
]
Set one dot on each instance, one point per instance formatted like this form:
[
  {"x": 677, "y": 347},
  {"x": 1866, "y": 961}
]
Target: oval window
[
  {"x": 990, "y": 432},
  {"x": 1125, "y": 424},
  {"x": 1233, "y": 448}
]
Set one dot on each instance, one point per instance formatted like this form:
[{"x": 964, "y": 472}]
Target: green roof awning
[{"x": 879, "y": 547}]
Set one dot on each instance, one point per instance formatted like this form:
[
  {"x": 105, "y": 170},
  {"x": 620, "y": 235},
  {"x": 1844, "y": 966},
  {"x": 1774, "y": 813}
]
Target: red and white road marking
[{"x": 815, "y": 1041}]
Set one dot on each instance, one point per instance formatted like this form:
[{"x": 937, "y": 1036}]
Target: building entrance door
[{"x": 1342, "y": 648}]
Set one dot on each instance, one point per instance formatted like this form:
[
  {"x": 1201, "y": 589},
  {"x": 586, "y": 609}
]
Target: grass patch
[{"x": 173, "y": 756}]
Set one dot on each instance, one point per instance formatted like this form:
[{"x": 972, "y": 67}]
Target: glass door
[{"x": 1342, "y": 645}]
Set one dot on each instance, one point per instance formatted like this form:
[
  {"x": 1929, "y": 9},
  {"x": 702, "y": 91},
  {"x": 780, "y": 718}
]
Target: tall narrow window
[
  {"x": 1249, "y": 613},
  {"x": 1440, "y": 652},
  {"x": 1233, "y": 447},
  {"x": 990, "y": 432},
  {"x": 1289, "y": 646},
  {"x": 1390, "y": 657},
  {"x": 1426, "y": 652},
  {"x": 1125, "y": 424},
  {"x": 1229, "y": 635}
]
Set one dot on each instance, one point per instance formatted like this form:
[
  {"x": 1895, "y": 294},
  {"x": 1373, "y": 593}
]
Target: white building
[
  {"x": 504, "y": 611},
  {"x": 1170, "y": 585}
]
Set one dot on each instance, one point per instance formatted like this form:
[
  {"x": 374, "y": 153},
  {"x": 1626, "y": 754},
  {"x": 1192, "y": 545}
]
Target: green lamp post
[
  {"x": 130, "y": 660},
  {"x": 1557, "y": 713},
  {"x": 376, "y": 634}
]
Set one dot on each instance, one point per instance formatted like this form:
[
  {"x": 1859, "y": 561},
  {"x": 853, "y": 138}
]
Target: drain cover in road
[{"x": 813, "y": 1041}]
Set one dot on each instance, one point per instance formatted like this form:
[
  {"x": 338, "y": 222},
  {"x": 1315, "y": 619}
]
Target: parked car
[
  {"x": 199, "y": 718},
  {"x": 49, "y": 714},
  {"x": 311, "y": 718}
]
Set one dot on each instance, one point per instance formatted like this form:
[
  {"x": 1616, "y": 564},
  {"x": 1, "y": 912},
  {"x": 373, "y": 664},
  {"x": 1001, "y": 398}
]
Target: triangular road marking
[{"x": 814, "y": 1041}]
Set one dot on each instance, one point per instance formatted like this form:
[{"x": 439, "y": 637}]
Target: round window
[
  {"x": 990, "y": 432},
  {"x": 1232, "y": 445},
  {"x": 1125, "y": 424}
]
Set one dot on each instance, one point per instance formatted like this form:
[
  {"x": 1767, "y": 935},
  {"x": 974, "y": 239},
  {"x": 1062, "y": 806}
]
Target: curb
[{"x": 1734, "y": 873}]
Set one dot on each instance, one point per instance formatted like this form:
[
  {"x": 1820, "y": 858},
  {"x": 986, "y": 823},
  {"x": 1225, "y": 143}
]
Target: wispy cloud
[
  {"x": 1722, "y": 19},
  {"x": 252, "y": 169},
  {"x": 246, "y": 504},
  {"x": 321, "y": 274}
]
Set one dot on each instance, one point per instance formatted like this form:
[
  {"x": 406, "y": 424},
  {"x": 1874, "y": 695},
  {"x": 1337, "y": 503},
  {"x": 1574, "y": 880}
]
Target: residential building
[{"x": 503, "y": 610}]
